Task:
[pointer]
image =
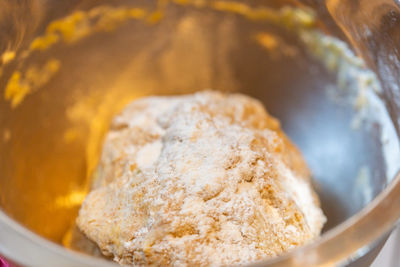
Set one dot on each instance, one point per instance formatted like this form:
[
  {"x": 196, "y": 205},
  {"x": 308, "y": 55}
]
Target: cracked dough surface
[{"x": 207, "y": 179}]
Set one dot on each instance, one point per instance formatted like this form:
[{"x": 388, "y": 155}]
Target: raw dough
[{"x": 199, "y": 180}]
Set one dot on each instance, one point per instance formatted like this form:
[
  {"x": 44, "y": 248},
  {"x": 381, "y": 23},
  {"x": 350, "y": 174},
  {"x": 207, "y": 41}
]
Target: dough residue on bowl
[{"x": 198, "y": 180}]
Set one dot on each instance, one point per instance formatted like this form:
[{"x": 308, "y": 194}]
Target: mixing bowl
[{"x": 68, "y": 66}]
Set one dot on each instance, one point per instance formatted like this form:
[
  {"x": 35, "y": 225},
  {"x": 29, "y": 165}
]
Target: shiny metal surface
[{"x": 50, "y": 139}]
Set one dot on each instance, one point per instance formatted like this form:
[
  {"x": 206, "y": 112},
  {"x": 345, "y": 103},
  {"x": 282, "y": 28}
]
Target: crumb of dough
[{"x": 199, "y": 180}]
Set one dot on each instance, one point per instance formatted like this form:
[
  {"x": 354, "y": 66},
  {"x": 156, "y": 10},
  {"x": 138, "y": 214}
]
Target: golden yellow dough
[{"x": 207, "y": 179}]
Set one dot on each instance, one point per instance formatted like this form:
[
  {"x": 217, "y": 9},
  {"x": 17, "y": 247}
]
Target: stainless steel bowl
[{"x": 68, "y": 66}]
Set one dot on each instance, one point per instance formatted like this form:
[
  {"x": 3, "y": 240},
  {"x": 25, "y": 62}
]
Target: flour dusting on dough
[{"x": 203, "y": 179}]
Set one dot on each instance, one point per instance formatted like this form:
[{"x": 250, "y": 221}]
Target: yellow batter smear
[
  {"x": 44, "y": 42},
  {"x": 7, "y": 56},
  {"x": 82, "y": 24},
  {"x": 289, "y": 17},
  {"x": 20, "y": 85},
  {"x": 16, "y": 89},
  {"x": 70, "y": 29},
  {"x": 197, "y": 3}
]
